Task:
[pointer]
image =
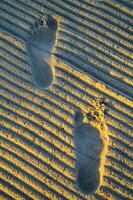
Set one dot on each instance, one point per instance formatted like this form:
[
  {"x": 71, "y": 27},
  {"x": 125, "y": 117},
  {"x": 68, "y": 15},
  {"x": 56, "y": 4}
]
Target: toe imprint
[
  {"x": 91, "y": 141},
  {"x": 40, "y": 46}
]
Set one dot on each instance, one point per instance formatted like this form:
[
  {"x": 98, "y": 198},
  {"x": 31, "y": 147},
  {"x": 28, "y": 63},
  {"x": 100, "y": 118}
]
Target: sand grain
[{"x": 94, "y": 58}]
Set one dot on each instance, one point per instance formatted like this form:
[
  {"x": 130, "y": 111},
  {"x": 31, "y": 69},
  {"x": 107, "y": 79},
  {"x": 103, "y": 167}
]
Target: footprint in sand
[
  {"x": 40, "y": 47},
  {"x": 91, "y": 142}
]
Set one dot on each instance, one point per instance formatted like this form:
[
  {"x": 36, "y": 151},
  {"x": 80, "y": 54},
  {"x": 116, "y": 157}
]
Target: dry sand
[
  {"x": 91, "y": 142},
  {"x": 93, "y": 58},
  {"x": 40, "y": 47}
]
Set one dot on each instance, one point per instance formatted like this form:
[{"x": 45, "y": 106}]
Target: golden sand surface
[{"x": 93, "y": 58}]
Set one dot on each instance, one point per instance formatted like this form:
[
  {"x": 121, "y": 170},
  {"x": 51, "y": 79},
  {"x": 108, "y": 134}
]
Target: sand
[
  {"x": 40, "y": 48},
  {"x": 91, "y": 142},
  {"x": 93, "y": 58}
]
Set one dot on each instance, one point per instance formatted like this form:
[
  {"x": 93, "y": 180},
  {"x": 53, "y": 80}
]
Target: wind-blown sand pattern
[{"x": 94, "y": 58}]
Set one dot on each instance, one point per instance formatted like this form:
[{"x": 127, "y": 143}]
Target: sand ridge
[{"x": 94, "y": 58}]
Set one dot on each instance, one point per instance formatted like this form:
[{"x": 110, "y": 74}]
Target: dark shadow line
[
  {"x": 13, "y": 84},
  {"x": 116, "y": 195},
  {"x": 98, "y": 24},
  {"x": 96, "y": 50},
  {"x": 96, "y": 14},
  {"x": 118, "y": 131},
  {"x": 79, "y": 23},
  {"x": 57, "y": 117},
  {"x": 119, "y": 163},
  {"x": 16, "y": 190},
  {"x": 13, "y": 29},
  {"x": 119, "y": 185},
  {"x": 119, "y": 174},
  {"x": 35, "y": 135},
  {"x": 15, "y": 56},
  {"x": 41, "y": 184},
  {"x": 25, "y": 152},
  {"x": 11, "y": 12},
  {"x": 81, "y": 34},
  {"x": 17, "y": 68},
  {"x": 35, "y": 146},
  {"x": 92, "y": 87},
  {"x": 40, "y": 171},
  {"x": 5, "y": 195},
  {"x": 85, "y": 67},
  {"x": 30, "y": 188}
]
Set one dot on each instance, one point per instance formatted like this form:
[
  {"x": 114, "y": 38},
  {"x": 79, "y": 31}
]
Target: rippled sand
[{"x": 93, "y": 59}]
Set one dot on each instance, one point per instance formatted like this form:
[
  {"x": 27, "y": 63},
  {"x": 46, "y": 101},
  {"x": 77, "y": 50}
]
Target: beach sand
[{"x": 93, "y": 59}]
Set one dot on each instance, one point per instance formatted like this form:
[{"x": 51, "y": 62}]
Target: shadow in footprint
[
  {"x": 40, "y": 46},
  {"x": 91, "y": 146}
]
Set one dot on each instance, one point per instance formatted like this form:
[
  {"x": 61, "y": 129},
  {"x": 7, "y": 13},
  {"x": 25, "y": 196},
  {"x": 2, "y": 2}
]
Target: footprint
[
  {"x": 40, "y": 47},
  {"x": 91, "y": 141}
]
